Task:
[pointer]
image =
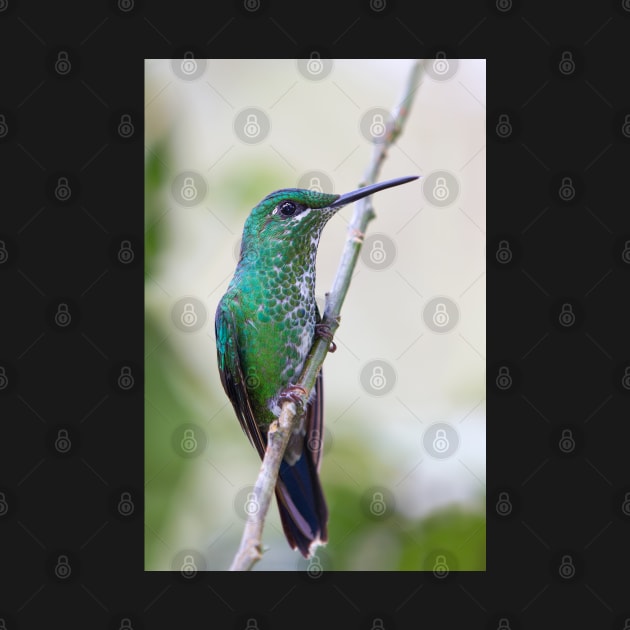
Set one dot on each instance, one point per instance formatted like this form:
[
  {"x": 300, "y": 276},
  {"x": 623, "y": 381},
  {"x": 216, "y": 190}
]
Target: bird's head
[{"x": 295, "y": 217}]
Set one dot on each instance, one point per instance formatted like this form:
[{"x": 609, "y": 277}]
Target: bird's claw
[
  {"x": 292, "y": 393},
  {"x": 323, "y": 331}
]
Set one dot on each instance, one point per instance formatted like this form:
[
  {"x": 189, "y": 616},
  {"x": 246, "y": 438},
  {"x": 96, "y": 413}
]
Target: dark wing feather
[{"x": 232, "y": 377}]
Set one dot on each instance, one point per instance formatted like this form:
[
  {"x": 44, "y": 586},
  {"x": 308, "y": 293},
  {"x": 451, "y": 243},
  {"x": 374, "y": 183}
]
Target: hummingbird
[{"x": 265, "y": 325}]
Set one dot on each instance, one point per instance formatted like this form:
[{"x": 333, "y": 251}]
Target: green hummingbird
[{"x": 265, "y": 325}]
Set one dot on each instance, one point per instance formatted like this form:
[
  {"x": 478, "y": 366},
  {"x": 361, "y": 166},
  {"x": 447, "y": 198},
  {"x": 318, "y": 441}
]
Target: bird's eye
[{"x": 287, "y": 208}]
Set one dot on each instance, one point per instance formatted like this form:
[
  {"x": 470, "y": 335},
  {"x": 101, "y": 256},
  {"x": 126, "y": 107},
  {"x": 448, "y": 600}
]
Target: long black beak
[{"x": 369, "y": 190}]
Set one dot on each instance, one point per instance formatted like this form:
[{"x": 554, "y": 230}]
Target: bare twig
[{"x": 250, "y": 550}]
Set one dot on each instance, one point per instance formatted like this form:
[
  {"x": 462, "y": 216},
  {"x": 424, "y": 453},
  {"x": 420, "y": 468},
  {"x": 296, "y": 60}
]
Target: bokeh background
[{"x": 404, "y": 459}]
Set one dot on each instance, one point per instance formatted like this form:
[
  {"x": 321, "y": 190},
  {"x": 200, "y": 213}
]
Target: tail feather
[{"x": 301, "y": 503}]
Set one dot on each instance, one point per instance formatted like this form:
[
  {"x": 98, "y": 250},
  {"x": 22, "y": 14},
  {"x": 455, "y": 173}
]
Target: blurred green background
[{"x": 395, "y": 502}]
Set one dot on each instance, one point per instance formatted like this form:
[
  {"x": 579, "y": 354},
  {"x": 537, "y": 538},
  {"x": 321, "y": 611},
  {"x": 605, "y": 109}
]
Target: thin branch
[
  {"x": 278, "y": 435},
  {"x": 250, "y": 550}
]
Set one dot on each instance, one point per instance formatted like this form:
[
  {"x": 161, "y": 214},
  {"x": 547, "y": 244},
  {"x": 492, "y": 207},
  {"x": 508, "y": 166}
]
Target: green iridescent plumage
[{"x": 265, "y": 325}]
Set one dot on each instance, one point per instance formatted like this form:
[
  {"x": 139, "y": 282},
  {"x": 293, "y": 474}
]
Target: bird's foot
[
  {"x": 323, "y": 331},
  {"x": 292, "y": 393}
]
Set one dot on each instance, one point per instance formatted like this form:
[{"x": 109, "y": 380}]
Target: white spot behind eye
[{"x": 302, "y": 214}]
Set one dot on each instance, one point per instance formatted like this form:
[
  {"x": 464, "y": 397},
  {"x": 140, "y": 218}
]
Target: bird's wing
[
  {"x": 315, "y": 421},
  {"x": 232, "y": 376}
]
